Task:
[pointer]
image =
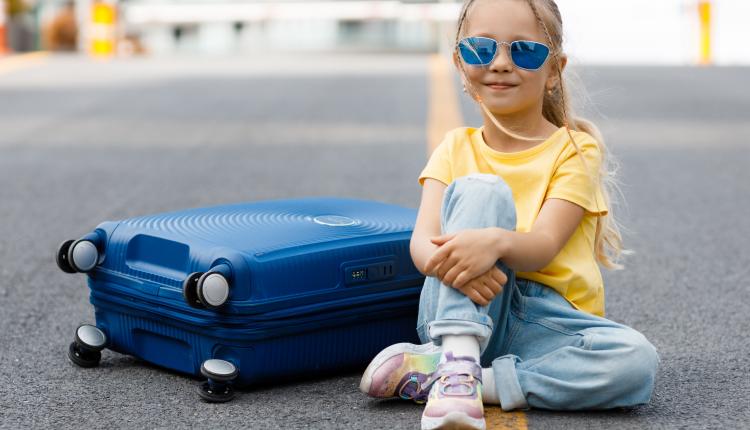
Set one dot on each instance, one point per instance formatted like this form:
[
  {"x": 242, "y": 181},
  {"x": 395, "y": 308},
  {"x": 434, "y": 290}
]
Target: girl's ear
[
  {"x": 553, "y": 78},
  {"x": 455, "y": 60}
]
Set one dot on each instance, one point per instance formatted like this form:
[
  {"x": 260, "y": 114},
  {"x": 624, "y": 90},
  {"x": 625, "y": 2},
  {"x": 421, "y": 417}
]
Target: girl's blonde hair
[{"x": 557, "y": 109}]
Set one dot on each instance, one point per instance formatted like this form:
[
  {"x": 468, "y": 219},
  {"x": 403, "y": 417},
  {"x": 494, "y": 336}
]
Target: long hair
[{"x": 557, "y": 108}]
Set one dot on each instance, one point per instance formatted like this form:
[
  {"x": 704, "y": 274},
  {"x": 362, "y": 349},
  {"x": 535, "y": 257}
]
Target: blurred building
[
  {"x": 598, "y": 31},
  {"x": 166, "y": 26},
  {"x": 668, "y": 32}
]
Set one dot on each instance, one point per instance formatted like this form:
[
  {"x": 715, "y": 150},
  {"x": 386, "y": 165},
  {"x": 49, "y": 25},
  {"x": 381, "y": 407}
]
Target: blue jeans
[{"x": 544, "y": 353}]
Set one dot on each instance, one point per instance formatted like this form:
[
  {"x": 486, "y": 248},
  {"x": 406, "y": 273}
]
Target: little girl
[{"x": 513, "y": 220}]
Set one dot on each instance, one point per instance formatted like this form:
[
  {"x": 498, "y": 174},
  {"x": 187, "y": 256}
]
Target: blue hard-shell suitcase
[{"x": 250, "y": 292}]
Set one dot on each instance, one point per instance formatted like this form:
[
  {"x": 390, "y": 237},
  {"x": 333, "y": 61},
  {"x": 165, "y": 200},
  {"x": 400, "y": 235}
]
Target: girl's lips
[{"x": 502, "y": 87}]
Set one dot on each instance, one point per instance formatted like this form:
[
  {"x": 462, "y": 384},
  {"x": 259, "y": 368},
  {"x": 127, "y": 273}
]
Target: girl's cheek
[{"x": 474, "y": 80}]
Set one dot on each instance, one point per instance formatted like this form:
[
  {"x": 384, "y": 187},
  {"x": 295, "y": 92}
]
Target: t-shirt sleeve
[
  {"x": 570, "y": 181},
  {"x": 439, "y": 164}
]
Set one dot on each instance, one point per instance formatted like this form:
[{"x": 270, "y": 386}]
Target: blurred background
[
  {"x": 598, "y": 31},
  {"x": 116, "y": 109}
]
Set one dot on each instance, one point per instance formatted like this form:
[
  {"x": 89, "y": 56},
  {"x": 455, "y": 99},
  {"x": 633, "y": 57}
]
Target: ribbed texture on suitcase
[
  {"x": 334, "y": 346},
  {"x": 258, "y": 225},
  {"x": 239, "y": 221},
  {"x": 308, "y": 354},
  {"x": 129, "y": 324}
]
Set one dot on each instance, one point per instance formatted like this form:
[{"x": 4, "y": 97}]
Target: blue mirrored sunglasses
[{"x": 481, "y": 51}]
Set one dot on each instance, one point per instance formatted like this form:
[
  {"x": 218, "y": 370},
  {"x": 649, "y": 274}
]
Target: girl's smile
[{"x": 501, "y": 87}]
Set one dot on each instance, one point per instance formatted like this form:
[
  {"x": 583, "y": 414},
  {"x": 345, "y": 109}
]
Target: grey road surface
[{"x": 81, "y": 143}]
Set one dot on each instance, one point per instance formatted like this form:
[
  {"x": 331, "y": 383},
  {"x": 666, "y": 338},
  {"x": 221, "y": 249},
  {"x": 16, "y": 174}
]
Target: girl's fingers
[
  {"x": 451, "y": 271},
  {"x": 482, "y": 293},
  {"x": 486, "y": 292},
  {"x": 442, "y": 270},
  {"x": 430, "y": 264},
  {"x": 494, "y": 286},
  {"x": 473, "y": 295},
  {"x": 450, "y": 276},
  {"x": 499, "y": 277},
  {"x": 436, "y": 267},
  {"x": 477, "y": 298},
  {"x": 438, "y": 257},
  {"x": 442, "y": 238},
  {"x": 461, "y": 279},
  {"x": 434, "y": 260},
  {"x": 497, "y": 281}
]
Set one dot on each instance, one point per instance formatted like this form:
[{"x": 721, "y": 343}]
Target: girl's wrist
[{"x": 501, "y": 239}]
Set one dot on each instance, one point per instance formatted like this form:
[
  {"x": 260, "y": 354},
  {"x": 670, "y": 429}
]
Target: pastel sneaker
[
  {"x": 455, "y": 398},
  {"x": 400, "y": 370}
]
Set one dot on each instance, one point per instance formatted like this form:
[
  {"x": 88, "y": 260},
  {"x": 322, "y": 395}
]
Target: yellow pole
[
  {"x": 704, "y": 10},
  {"x": 103, "y": 19}
]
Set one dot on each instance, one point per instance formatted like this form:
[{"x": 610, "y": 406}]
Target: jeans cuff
[
  {"x": 438, "y": 328},
  {"x": 507, "y": 385}
]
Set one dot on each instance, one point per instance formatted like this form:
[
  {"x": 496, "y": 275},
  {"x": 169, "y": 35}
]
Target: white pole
[
  {"x": 444, "y": 28},
  {"x": 83, "y": 20}
]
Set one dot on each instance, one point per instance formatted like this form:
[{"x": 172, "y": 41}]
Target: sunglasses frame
[{"x": 498, "y": 45}]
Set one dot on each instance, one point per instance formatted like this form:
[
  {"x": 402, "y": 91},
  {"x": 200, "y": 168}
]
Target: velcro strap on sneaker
[{"x": 454, "y": 366}]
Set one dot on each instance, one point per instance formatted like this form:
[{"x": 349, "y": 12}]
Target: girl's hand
[
  {"x": 464, "y": 255},
  {"x": 482, "y": 289}
]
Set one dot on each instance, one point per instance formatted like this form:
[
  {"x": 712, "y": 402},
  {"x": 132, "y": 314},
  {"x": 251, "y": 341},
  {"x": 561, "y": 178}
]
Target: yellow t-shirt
[{"x": 551, "y": 169}]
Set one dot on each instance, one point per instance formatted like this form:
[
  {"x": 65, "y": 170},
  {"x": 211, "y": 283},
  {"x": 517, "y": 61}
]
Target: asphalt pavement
[{"x": 84, "y": 142}]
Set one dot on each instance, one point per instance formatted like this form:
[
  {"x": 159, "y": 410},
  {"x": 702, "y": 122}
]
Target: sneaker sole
[
  {"x": 453, "y": 421},
  {"x": 384, "y": 355}
]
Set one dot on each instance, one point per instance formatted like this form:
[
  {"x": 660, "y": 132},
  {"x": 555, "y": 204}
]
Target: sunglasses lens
[
  {"x": 477, "y": 51},
  {"x": 528, "y": 55}
]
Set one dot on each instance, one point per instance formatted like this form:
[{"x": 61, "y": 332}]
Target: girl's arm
[
  {"x": 427, "y": 224},
  {"x": 534, "y": 250}
]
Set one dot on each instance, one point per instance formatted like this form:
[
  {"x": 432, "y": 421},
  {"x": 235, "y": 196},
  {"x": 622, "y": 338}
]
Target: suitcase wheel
[
  {"x": 85, "y": 350},
  {"x": 190, "y": 290},
  {"x": 213, "y": 290},
  {"x": 62, "y": 257},
  {"x": 208, "y": 290},
  {"x": 77, "y": 256},
  {"x": 220, "y": 374}
]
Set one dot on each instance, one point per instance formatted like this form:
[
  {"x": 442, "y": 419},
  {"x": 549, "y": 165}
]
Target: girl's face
[{"x": 507, "y": 20}]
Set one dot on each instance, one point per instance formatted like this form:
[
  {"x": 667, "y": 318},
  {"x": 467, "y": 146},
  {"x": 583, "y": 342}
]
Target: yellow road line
[
  {"x": 497, "y": 419},
  {"x": 443, "y": 113},
  {"x": 17, "y": 62}
]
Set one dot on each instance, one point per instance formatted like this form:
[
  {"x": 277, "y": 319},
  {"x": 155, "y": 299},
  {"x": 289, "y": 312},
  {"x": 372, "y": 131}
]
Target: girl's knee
[
  {"x": 479, "y": 200},
  {"x": 639, "y": 360},
  {"x": 485, "y": 184},
  {"x": 645, "y": 355}
]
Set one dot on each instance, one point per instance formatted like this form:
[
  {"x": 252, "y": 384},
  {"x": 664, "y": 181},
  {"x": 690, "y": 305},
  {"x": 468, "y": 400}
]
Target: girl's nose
[{"x": 502, "y": 61}]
